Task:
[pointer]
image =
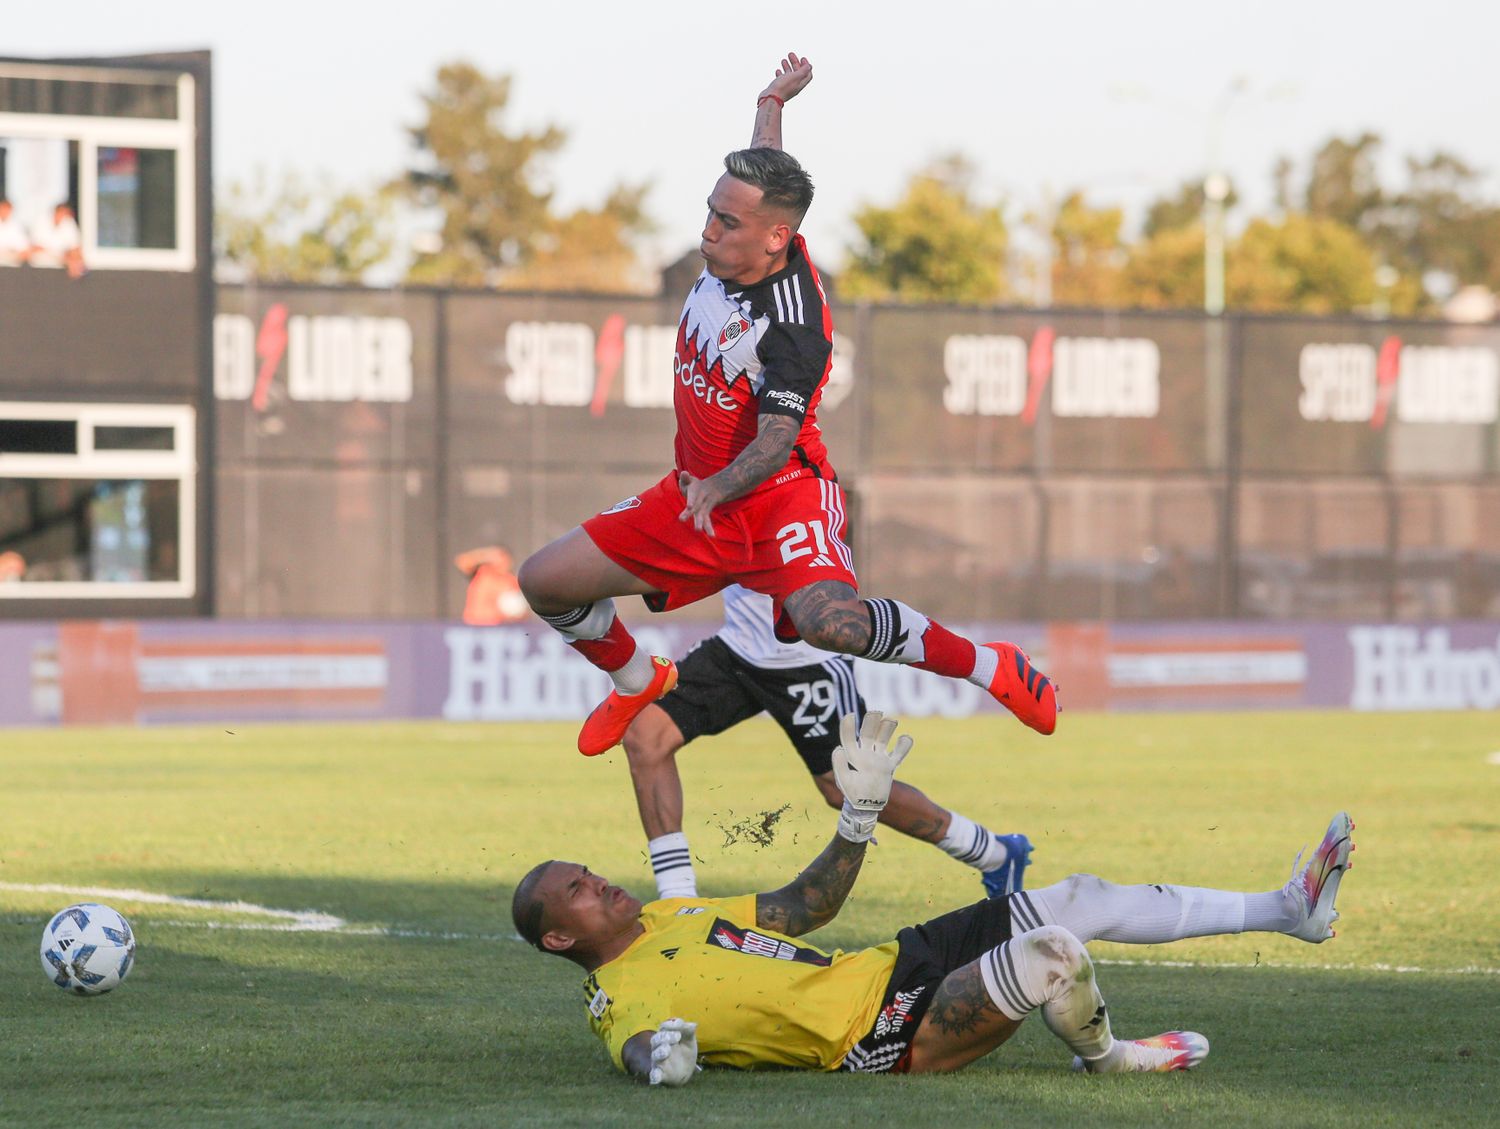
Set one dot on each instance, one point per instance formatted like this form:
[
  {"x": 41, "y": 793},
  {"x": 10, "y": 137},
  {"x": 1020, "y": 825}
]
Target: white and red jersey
[{"x": 747, "y": 350}]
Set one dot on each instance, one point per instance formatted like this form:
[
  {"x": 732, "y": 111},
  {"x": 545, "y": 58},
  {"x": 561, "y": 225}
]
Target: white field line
[
  {"x": 315, "y": 921},
  {"x": 292, "y": 920}
]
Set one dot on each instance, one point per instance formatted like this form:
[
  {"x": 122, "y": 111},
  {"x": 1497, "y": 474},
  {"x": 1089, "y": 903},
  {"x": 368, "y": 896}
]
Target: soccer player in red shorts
[{"x": 753, "y": 498}]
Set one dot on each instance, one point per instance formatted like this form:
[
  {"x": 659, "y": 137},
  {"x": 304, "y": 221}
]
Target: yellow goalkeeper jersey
[{"x": 760, "y": 999}]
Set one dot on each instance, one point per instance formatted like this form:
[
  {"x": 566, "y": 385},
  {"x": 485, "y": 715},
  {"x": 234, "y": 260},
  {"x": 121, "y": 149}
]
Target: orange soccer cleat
[
  {"x": 1024, "y": 690},
  {"x": 606, "y": 726}
]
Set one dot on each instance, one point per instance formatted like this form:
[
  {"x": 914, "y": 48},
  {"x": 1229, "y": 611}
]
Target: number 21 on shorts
[{"x": 794, "y": 538}]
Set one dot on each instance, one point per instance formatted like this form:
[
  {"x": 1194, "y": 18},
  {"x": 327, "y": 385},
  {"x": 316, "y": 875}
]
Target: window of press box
[
  {"x": 137, "y": 197},
  {"x": 36, "y": 175},
  {"x": 38, "y": 437},
  {"x": 98, "y": 530},
  {"x": 129, "y": 438},
  {"x": 107, "y": 96}
]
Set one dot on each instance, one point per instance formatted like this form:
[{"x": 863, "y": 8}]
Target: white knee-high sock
[
  {"x": 971, "y": 843},
  {"x": 672, "y": 863},
  {"x": 1049, "y": 968},
  {"x": 1092, "y": 909}
]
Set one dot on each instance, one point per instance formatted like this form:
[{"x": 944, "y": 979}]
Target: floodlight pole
[{"x": 1215, "y": 192}]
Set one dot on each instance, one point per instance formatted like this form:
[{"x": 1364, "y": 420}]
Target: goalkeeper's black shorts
[{"x": 927, "y": 953}]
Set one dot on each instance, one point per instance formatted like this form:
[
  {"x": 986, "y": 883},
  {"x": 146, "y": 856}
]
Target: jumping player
[
  {"x": 726, "y": 980},
  {"x": 733, "y": 676},
  {"x": 753, "y": 497}
]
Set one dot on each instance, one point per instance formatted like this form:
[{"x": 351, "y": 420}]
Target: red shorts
[{"x": 776, "y": 542}]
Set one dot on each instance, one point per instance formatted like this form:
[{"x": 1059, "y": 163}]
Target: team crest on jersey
[
  {"x": 735, "y": 328},
  {"x": 628, "y": 504}
]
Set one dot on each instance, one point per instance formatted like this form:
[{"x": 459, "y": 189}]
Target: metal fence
[{"x": 1002, "y": 464}]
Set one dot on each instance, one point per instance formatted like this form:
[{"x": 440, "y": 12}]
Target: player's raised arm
[
  {"x": 864, "y": 765},
  {"x": 793, "y": 74}
]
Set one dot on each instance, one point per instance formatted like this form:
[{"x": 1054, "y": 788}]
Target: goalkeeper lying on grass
[{"x": 725, "y": 982}]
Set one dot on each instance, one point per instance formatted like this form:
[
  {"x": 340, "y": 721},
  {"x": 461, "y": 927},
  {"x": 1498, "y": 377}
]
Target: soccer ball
[{"x": 88, "y": 949}]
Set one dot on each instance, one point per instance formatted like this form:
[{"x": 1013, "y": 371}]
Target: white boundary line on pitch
[
  {"x": 316, "y": 921},
  {"x": 300, "y": 921},
  {"x": 287, "y": 920}
]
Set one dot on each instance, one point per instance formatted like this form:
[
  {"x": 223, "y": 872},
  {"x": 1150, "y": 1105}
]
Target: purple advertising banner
[{"x": 153, "y": 672}]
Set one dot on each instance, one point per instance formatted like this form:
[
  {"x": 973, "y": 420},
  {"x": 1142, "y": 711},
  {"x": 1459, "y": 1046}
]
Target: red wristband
[{"x": 770, "y": 98}]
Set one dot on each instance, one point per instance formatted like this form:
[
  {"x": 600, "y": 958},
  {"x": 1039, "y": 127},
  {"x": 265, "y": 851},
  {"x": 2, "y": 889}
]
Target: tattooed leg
[
  {"x": 962, "y": 1024},
  {"x": 829, "y": 614},
  {"x": 1047, "y": 968}
]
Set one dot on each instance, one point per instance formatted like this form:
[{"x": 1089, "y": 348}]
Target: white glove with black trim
[
  {"x": 674, "y": 1053},
  {"x": 865, "y": 765}
]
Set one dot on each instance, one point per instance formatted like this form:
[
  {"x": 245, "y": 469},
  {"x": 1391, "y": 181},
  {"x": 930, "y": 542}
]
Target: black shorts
[
  {"x": 716, "y": 690},
  {"x": 927, "y": 953}
]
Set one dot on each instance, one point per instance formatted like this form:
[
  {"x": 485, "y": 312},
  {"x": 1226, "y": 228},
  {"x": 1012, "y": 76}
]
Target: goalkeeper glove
[
  {"x": 674, "y": 1053},
  {"x": 865, "y": 765}
]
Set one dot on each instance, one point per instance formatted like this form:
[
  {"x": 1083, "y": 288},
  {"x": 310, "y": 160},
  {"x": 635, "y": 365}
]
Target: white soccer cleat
[
  {"x": 1316, "y": 885},
  {"x": 1171, "y": 1050}
]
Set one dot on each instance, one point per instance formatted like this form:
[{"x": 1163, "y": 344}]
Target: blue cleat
[{"x": 1010, "y": 875}]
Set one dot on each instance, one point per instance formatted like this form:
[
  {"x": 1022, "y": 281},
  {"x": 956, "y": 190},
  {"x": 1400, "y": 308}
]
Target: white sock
[
  {"x": 1092, "y": 909},
  {"x": 672, "y": 863},
  {"x": 635, "y": 675},
  {"x": 593, "y": 621},
  {"x": 970, "y": 843},
  {"x": 986, "y": 662},
  {"x": 1049, "y": 968}
]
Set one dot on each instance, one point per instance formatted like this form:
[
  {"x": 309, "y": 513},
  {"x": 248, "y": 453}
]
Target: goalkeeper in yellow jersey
[{"x": 726, "y": 982}]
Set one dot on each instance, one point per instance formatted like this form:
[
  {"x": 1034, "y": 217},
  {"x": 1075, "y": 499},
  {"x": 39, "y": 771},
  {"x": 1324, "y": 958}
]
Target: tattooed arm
[
  {"x": 791, "y": 77},
  {"x": 864, "y": 764},
  {"x": 762, "y": 457},
  {"x": 815, "y": 896}
]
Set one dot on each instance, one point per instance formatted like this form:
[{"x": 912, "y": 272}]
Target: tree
[
  {"x": 294, "y": 233},
  {"x": 936, "y": 244},
  {"x": 1309, "y": 264},
  {"x": 1437, "y": 224},
  {"x": 1089, "y": 255},
  {"x": 1344, "y": 184},
  {"x": 487, "y": 183},
  {"x": 481, "y": 179},
  {"x": 1165, "y": 271},
  {"x": 1184, "y": 209},
  {"x": 591, "y": 249}
]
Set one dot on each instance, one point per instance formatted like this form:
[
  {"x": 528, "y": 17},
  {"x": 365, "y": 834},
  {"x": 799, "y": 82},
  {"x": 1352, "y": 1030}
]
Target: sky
[{"x": 1118, "y": 99}]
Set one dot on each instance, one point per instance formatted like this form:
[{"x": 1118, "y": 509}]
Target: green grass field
[{"x": 423, "y": 1009}]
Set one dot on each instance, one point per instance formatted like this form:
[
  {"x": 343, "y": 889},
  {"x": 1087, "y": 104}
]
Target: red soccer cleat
[
  {"x": 606, "y": 726},
  {"x": 1024, "y": 690}
]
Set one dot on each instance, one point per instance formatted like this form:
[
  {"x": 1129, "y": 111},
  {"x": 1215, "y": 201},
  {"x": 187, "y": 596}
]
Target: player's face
[
  {"x": 583, "y": 905},
  {"x": 741, "y": 243}
]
